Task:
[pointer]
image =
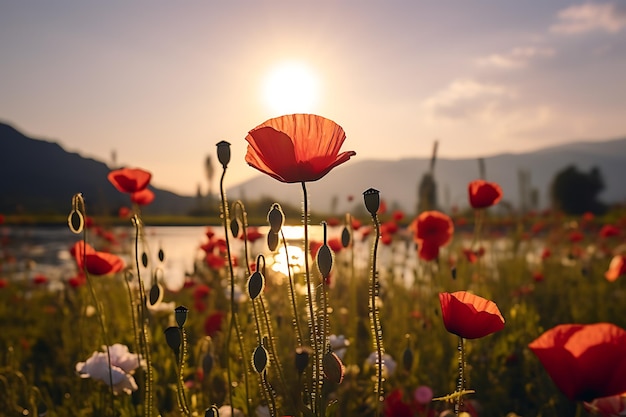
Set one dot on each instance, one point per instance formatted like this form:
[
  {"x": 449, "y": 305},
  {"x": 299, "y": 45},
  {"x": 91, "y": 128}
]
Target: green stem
[
  {"x": 376, "y": 328},
  {"x": 461, "y": 382},
  {"x": 292, "y": 293}
]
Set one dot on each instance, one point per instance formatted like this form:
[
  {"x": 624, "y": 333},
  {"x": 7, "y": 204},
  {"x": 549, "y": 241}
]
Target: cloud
[
  {"x": 609, "y": 17},
  {"x": 516, "y": 58},
  {"x": 466, "y": 98}
]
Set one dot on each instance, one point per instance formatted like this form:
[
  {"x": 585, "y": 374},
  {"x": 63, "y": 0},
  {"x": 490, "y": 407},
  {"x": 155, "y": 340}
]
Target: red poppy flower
[
  {"x": 333, "y": 221},
  {"x": 335, "y": 245},
  {"x": 95, "y": 262},
  {"x": 614, "y": 405},
  {"x": 431, "y": 230},
  {"x": 201, "y": 291},
  {"x": 396, "y": 406},
  {"x": 470, "y": 316},
  {"x": 77, "y": 280},
  {"x": 213, "y": 323},
  {"x": 252, "y": 234},
  {"x": 617, "y": 268},
  {"x": 215, "y": 261},
  {"x": 386, "y": 239},
  {"x": 129, "y": 180},
  {"x": 356, "y": 223},
  {"x": 4, "y": 282},
  {"x": 143, "y": 197},
  {"x": 608, "y": 230},
  {"x": 585, "y": 361},
  {"x": 124, "y": 212},
  {"x": 484, "y": 194},
  {"x": 575, "y": 236},
  {"x": 40, "y": 279},
  {"x": 296, "y": 147},
  {"x": 397, "y": 215}
]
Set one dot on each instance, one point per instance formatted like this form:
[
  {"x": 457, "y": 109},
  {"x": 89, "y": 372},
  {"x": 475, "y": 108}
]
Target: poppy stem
[
  {"x": 461, "y": 382},
  {"x": 377, "y": 333},
  {"x": 316, "y": 382},
  {"x": 292, "y": 292}
]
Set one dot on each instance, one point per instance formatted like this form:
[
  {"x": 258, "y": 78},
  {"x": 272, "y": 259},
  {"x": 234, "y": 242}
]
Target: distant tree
[{"x": 576, "y": 192}]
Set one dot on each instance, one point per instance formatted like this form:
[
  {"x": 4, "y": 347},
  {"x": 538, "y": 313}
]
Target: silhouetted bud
[
  {"x": 207, "y": 363},
  {"x": 346, "y": 239},
  {"x": 302, "y": 358},
  {"x": 324, "y": 260},
  {"x": 223, "y": 153},
  {"x": 371, "y": 197},
  {"x": 234, "y": 227},
  {"x": 272, "y": 241},
  {"x": 173, "y": 338},
  {"x": 144, "y": 259},
  {"x": 259, "y": 359},
  {"x": 180, "y": 314},
  {"x": 156, "y": 294},
  {"x": 256, "y": 283},
  {"x": 453, "y": 272},
  {"x": 333, "y": 368},
  {"x": 276, "y": 218},
  {"x": 407, "y": 356},
  {"x": 212, "y": 411},
  {"x": 161, "y": 255}
]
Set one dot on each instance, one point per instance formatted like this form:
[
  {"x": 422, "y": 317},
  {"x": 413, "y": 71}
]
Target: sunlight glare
[{"x": 291, "y": 87}]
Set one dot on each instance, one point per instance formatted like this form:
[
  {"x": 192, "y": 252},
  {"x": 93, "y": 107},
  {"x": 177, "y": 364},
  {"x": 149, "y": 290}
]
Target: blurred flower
[
  {"x": 224, "y": 411},
  {"x": 617, "y": 268},
  {"x": 612, "y": 406},
  {"x": 95, "y": 262},
  {"x": 585, "y": 361},
  {"x": 575, "y": 236},
  {"x": 296, "y": 147},
  {"x": 423, "y": 394},
  {"x": 538, "y": 276},
  {"x": 431, "y": 230},
  {"x": 389, "y": 364},
  {"x": 484, "y": 194},
  {"x": 143, "y": 197},
  {"x": 338, "y": 344},
  {"x": 608, "y": 230},
  {"x": 470, "y": 316},
  {"x": 4, "y": 282},
  {"x": 77, "y": 281},
  {"x": 123, "y": 364},
  {"x": 129, "y": 180},
  {"x": 40, "y": 279},
  {"x": 396, "y": 406},
  {"x": 213, "y": 323}
]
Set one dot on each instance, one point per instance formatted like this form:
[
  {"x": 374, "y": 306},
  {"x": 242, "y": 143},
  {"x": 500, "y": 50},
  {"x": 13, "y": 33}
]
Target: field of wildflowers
[{"x": 459, "y": 313}]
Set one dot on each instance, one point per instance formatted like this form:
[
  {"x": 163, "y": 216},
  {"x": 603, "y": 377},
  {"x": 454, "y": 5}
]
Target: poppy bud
[
  {"x": 212, "y": 411},
  {"x": 76, "y": 221},
  {"x": 156, "y": 294},
  {"x": 276, "y": 218},
  {"x": 207, "y": 363},
  {"x": 173, "y": 338},
  {"x": 302, "y": 359},
  {"x": 407, "y": 356},
  {"x": 144, "y": 259},
  {"x": 256, "y": 283},
  {"x": 272, "y": 241},
  {"x": 345, "y": 237},
  {"x": 180, "y": 314},
  {"x": 223, "y": 153},
  {"x": 371, "y": 197},
  {"x": 259, "y": 359},
  {"x": 234, "y": 227},
  {"x": 333, "y": 368},
  {"x": 161, "y": 255},
  {"x": 324, "y": 260}
]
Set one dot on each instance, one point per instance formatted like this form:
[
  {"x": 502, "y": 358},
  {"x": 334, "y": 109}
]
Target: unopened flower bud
[
  {"x": 207, "y": 363},
  {"x": 259, "y": 359},
  {"x": 324, "y": 260},
  {"x": 156, "y": 294},
  {"x": 276, "y": 218},
  {"x": 371, "y": 198},
  {"x": 333, "y": 367},
  {"x": 346, "y": 239},
  {"x": 223, "y": 153},
  {"x": 173, "y": 338},
  {"x": 180, "y": 314},
  {"x": 256, "y": 283},
  {"x": 234, "y": 227},
  {"x": 302, "y": 359},
  {"x": 212, "y": 411},
  {"x": 272, "y": 241}
]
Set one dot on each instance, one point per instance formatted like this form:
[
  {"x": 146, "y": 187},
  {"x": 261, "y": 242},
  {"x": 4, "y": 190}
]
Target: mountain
[
  {"x": 41, "y": 177},
  {"x": 397, "y": 180}
]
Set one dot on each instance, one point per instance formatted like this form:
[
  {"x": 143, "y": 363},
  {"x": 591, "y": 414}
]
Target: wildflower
[
  {"x": 296, "y": 147},
  {"x": 575, "y": 236},
  {"x": 143, "y": 197},
  {"x": 431, "y": 230},
  {"x": 40, "y": 279},
  {"x": 585, "y": 361},
  {"x": 470, "y": 316},
  {"x": 423, "y": 394},
  {"x": 389, "y": 364},
  {"x": 123, "y": 364},
  {"x": 4, "y": 282},
  {"x": 95, "y": 262},
  {"x": 484, "y": 194},
  {"x": 77, "y": 280},
  {"x": 617, "y": 268},
  {"x": 339, "y": 344},
  {"x": 608, "y": 230},
  {"x": 129, "y": 180},
  {"x": 213, "y": 323},
  {"x": 395, "y": 405}
]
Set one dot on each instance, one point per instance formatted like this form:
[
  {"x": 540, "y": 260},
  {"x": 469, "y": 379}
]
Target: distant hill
[
  {"x": 41, "y": 177},
  {"x": 398, "y": 180}
]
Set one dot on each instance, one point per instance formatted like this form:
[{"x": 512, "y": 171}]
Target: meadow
[{"x": 388, "y": 315}]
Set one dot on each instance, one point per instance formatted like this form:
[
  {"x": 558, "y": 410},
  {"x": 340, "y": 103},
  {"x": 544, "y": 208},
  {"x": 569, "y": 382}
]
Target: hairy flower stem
[
  {"x": 234, "y": 322},
  {"x": 377, "y": 332},
  {"x": 145, "y": 338},
  {"x": 78, "y": 207},
  {"x": 317, "y": 352},
  {"x": 292, "y": 293},
  {"x": 182, "y": 400},
  {"x": 461, "y": 383}
]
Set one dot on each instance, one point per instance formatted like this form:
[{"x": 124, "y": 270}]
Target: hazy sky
[{"x": 161, "y": 82}]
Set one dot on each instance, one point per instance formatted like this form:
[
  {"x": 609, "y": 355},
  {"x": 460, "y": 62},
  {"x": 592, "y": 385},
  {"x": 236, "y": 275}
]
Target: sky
[{"x": 159, "y": 83}]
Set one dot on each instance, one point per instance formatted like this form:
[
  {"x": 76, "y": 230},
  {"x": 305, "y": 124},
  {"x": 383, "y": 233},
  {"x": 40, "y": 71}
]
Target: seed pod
[
  {"x": 156, "y": 294},
  {"x": 371, "y": 197},
  {"x": 259, "y": 359},
  {"x": 324, "y": 260},
  {"x": 272, "y": 241},
  {"x": 173, "y": 338},
  {"x": 223, "y": 153},
  {"x": 302, "y": 359},
  {"x": 256, "y": 283},
  {"x": 144, "y": 259},
  {"x": 276, "y": 218},
  {"x": 407, "y": 358},
  {"x": 212, "y": 411},
  {"x": 180, "y": 314},
  {"x": 333, "y": 368},
  {"x": 76, "y": 221},
  {"x": 161, "y": 255}
]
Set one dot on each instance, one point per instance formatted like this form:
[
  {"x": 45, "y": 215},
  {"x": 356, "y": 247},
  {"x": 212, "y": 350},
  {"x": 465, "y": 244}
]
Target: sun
[{"x": 291, "y": 87}]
